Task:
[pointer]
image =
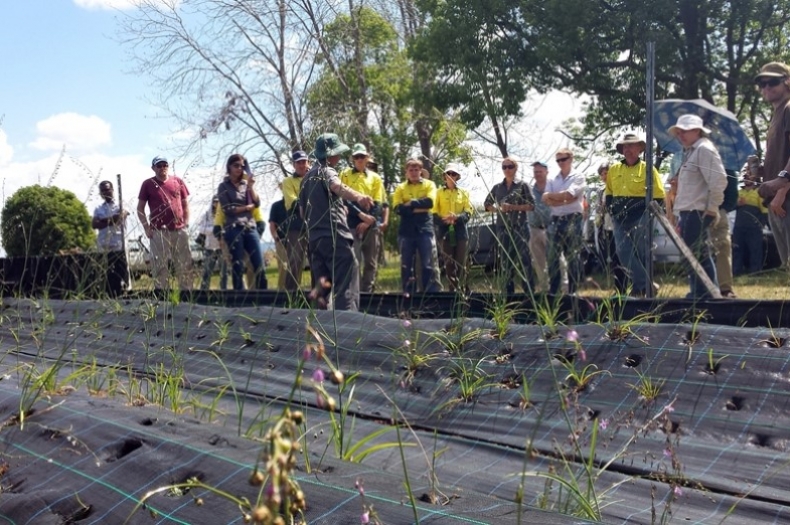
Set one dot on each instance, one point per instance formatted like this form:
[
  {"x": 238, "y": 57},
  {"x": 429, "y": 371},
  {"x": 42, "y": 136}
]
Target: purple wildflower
[
  {"x": 406, "y": 323},
  {"x": 582, "y": 354},
  {"x": 318, "y": 376},
  {"x": 678, "y": 491},
  {"x": 306, "y": 353},
  {"x": 572, "y": 336},
  {"x": 603, "y": 424},
  {"x": 365, "y": 518}
]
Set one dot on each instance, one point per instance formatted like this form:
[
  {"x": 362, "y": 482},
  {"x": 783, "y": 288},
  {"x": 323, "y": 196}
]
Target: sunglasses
[
  {"x": 508, "y": 166},
  {"x": 563, "y": 159},
  {"x": 762, "y": 84},
  {"x": 162, "y": 165}
]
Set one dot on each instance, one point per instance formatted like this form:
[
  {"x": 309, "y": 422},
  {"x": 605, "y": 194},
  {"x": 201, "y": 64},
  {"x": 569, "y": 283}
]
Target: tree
[
  {"x": 704, "y": 49},
  {"x": 38, "y": 220},
  {"x": 233, "y": 70}
]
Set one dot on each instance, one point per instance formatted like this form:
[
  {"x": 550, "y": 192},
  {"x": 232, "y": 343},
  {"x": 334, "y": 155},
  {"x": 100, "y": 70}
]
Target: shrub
[{"x": 39, "y": 220}]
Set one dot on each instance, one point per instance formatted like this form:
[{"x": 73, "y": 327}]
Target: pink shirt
[{"x": 164, "y": 202}]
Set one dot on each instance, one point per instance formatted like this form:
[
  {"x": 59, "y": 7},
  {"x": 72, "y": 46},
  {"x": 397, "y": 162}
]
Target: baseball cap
[
  {"x": 773, "y": 70},
  {"x": 359, "y": 149},
  {"x": 539, "y": 163},
  {"x": 158, "y": 159},
  {"x": 298, "y": 155}
]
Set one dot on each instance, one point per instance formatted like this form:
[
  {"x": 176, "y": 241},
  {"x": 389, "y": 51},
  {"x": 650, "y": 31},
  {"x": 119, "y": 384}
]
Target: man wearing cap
[
  {"x": 773, "y": 81},
  {"x": 166, "y": 225},
  {"x": 330, "y": 240},
  {"x": 565, "y": 195},
  {"x": 364, "y": 225},
  {"x": 701, "y": 182},
  {"x": 452, "y": 211},
  {"x": 414, "y": 201},
  {"x": 539, "y": 219},
  {"x": 296, "y": 238},
  {"x": 108, "y": 219},
  {"x": 512, "y": 199},
  {"x": 624, "y": 196}
]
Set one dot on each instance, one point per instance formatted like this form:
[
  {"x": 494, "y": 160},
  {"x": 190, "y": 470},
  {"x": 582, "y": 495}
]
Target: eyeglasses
[
  {"x": 162, "y": 165},
  {"x": 563, "y": 159},
  {"x": 762, "y": 84},
  {"x": 237, "y": 165},
  {"x": 508, "y": 166}
]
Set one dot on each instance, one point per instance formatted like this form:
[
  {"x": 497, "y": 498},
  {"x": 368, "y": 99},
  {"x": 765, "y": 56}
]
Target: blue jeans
[
  {"x": 212, "y": 258},
  {"x": 565, "y": 237},
  {"x": 629, "y": 238},
  {"x": 694, "y": 230},
  {"x": 241, "y": 240},
  {"x": 747, "y": 250},
  {"x": 409, "y": 247}
]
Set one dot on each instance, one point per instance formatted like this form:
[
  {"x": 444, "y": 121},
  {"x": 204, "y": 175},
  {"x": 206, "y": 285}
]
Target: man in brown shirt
[{"x": 773, "y": 81}]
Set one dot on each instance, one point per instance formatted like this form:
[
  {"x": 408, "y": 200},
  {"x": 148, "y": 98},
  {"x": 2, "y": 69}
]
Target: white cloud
[
  {"x": 6, "y": 151},
  {"x": 79, "y": 133},
  {"x": 94, "y": 5}
]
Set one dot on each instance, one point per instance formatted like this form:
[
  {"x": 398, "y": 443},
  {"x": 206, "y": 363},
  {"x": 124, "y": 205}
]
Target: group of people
[{"x": 338, "y": 219}]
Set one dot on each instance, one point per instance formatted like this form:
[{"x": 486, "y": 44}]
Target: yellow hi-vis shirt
[
  {"x": 455, "y": 202},
  {"x": 630, "y": 181}
]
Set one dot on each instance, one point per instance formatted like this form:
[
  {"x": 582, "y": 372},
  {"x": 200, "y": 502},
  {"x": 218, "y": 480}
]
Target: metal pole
[
  {"x": 123, "y": 234},
  {"x": 650, "y": 95}
]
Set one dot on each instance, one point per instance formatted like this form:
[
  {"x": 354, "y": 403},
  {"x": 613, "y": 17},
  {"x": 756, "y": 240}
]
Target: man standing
[
  {"x": 166, "y": 198},
  {"x": 701, "y": 181},
  {"x": 774, "y": 84},
  {"x": 564, "y": 195},
  {"x": 512, "y": 199},
  {"x": 296, "y": 240},
  {"x": 108, "y": 219},
  {"x": 539, "y": 219},
  {"x": 625, "y": 201},
  {"x": 414, "y": 201},
  {"x": 365, "y": 225},
  {"x": 330, "y": 240},
  {"x": 722, "y": 239}
]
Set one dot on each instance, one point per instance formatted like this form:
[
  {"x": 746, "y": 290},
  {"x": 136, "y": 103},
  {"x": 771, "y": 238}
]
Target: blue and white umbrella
[{"x": 726, "y": 133}]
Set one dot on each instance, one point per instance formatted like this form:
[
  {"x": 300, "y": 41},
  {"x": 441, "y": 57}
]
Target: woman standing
[
  {"x": 701, "y": 181},
  {"x": 453, "y": 210},
  {"x": 238, "y": 199}
]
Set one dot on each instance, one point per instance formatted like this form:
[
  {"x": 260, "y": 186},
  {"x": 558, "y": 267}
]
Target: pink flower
[
  {"x": 306, "y": 353},
  {"x": 319, "y": 400},
  {"x": 572, "y": 336},
  {"x": 678, "y": 491},
  {"x": 406, "y": 323},
  {"x": 667, "y": 453},
  {"x": 582, "y": 354},
  {"x": 365, "y": 518},
  {"x": 602, "y": 424},
  {"x": 318, "y": 376},
  {"x": 669, "y": 408}
]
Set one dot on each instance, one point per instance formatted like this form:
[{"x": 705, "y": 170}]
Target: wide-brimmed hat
[
  {"x": 454, "y": 167},
  {"x": 630, "y": 138},
  {"x": 329, "y": 145},
  {"x": 359, "y": 149},
  {"x": 687, "y": 122},
  {"x": 773, "y": 70}
]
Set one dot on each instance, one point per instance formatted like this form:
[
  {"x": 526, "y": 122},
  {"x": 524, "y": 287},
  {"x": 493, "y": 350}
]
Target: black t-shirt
[{"x": 279, "y": 216}]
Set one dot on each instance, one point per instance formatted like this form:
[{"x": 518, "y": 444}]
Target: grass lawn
[{"x": 769, "y": 284}]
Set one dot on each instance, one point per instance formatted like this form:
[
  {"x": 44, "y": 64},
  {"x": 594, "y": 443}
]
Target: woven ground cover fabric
[{"x": 715, "y": 437}]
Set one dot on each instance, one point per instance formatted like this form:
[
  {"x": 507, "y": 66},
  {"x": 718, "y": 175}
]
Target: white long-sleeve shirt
[{"x": 701, "y": 179}]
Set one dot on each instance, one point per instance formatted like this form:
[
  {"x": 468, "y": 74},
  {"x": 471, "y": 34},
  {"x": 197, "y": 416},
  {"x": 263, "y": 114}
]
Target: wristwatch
[{"x": 783, "y": 175}]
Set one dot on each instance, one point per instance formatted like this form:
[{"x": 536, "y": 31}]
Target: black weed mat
[{"x": 478, "y": 415}]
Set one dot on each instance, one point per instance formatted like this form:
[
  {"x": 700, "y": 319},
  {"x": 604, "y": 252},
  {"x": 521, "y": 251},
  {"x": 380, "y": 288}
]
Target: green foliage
[{"x": 39, "y": 220}]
